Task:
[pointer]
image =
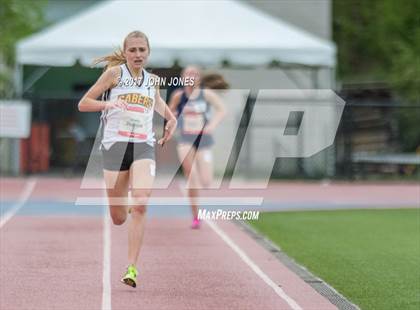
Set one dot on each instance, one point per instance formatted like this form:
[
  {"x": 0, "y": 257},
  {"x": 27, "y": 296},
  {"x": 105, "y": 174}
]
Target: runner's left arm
[
  {"x": 162, "y": 108},
  {"x": 219, "y": 107}
]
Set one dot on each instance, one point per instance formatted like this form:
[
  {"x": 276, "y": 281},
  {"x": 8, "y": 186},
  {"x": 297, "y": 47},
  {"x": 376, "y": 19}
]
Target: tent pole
[
  {"x": 333, "y": 81},
  {"x": 18, "y": 80},
  {"x": 14, "y": 151},
  {"x": 332, "y": 152},
  {"x": 315, "y": 77},
  {"x": 330, "y": 155},
  {"x": 303, "y": 164}
]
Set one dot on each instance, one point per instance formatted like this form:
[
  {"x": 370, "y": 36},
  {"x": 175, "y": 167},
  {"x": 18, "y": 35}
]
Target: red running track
[
  {"x": 185, "y": 269},
  {"x": 56, "y": 262},
  {"x": 51, "y": 263}
]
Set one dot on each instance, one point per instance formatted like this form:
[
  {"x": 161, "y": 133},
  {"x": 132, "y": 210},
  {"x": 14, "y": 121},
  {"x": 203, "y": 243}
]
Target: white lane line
[
  {"x": 173, "y": 201},
  {"x": 279, "y": 291},
  {"x": 23, "y": 198},
  {"x": 106, "y": 269}
]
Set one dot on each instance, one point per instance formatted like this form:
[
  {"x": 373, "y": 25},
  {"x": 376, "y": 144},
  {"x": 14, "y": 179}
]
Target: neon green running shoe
[{"x": 130, "y": 276}]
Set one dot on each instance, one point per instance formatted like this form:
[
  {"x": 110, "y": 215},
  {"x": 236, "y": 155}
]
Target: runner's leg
[
  {"x": 186, "y": 154},
  {"x": 142, "y": 177},
  {"x": 117, "y": 191},
  {"x": 204, "y": 162}
]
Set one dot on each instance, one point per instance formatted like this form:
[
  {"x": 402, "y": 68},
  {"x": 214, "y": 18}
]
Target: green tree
[
  {"x": 380, "y": 40},
  {"x": 18, "y": 18}
]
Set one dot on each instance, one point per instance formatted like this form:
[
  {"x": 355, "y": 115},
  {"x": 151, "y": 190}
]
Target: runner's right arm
[
  {"x": 174, "y": 101},
  {"x": 107, "y": 80}
]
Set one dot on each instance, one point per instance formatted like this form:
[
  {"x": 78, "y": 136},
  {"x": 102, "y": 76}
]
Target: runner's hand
[
  {"x": 118, "y": 104},
  {"x": 169, "y": 131},
  {"x": 208, "y": 129}
]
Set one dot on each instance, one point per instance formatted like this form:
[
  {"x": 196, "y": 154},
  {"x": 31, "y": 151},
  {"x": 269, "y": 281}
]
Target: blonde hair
[{"x": 117, "y": 58}]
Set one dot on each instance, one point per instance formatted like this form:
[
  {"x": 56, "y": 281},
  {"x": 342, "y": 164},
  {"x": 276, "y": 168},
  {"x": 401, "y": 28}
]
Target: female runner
[
  {"x": 130, "y": 97},
  {"x": 192, "y": 106}
]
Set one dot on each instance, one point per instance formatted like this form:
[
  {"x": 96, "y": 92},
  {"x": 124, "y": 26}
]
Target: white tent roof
[{"x": 199, "y": 32}]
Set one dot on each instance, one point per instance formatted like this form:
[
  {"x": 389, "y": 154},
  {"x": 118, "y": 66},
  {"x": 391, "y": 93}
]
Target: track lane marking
[
  {"x": 23, "y": 198},
  {"x": 106, "y": 268},
  {"x": 278, "y": 290}
]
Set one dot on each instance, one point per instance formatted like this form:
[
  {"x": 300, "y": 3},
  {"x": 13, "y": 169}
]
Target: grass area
[{"x": 370, "y": 256}]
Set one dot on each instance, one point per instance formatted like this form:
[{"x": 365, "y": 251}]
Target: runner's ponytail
[{"x": 115, "y": 59}]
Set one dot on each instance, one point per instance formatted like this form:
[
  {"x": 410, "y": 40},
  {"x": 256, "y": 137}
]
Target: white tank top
[{"x": 136, "y": 123}]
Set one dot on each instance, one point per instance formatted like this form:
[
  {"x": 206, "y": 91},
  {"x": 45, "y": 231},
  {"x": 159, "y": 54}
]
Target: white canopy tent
[{"x": 200, "y": 32}]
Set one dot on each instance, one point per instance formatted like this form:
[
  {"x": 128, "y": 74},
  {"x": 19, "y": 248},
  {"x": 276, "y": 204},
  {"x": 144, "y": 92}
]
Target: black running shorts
[{"x": 121, "y": 155}]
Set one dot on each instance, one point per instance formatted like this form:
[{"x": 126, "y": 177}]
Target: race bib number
[
  {"x": 133, "y": 123},
  {"x": 193, "y": 123}
]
